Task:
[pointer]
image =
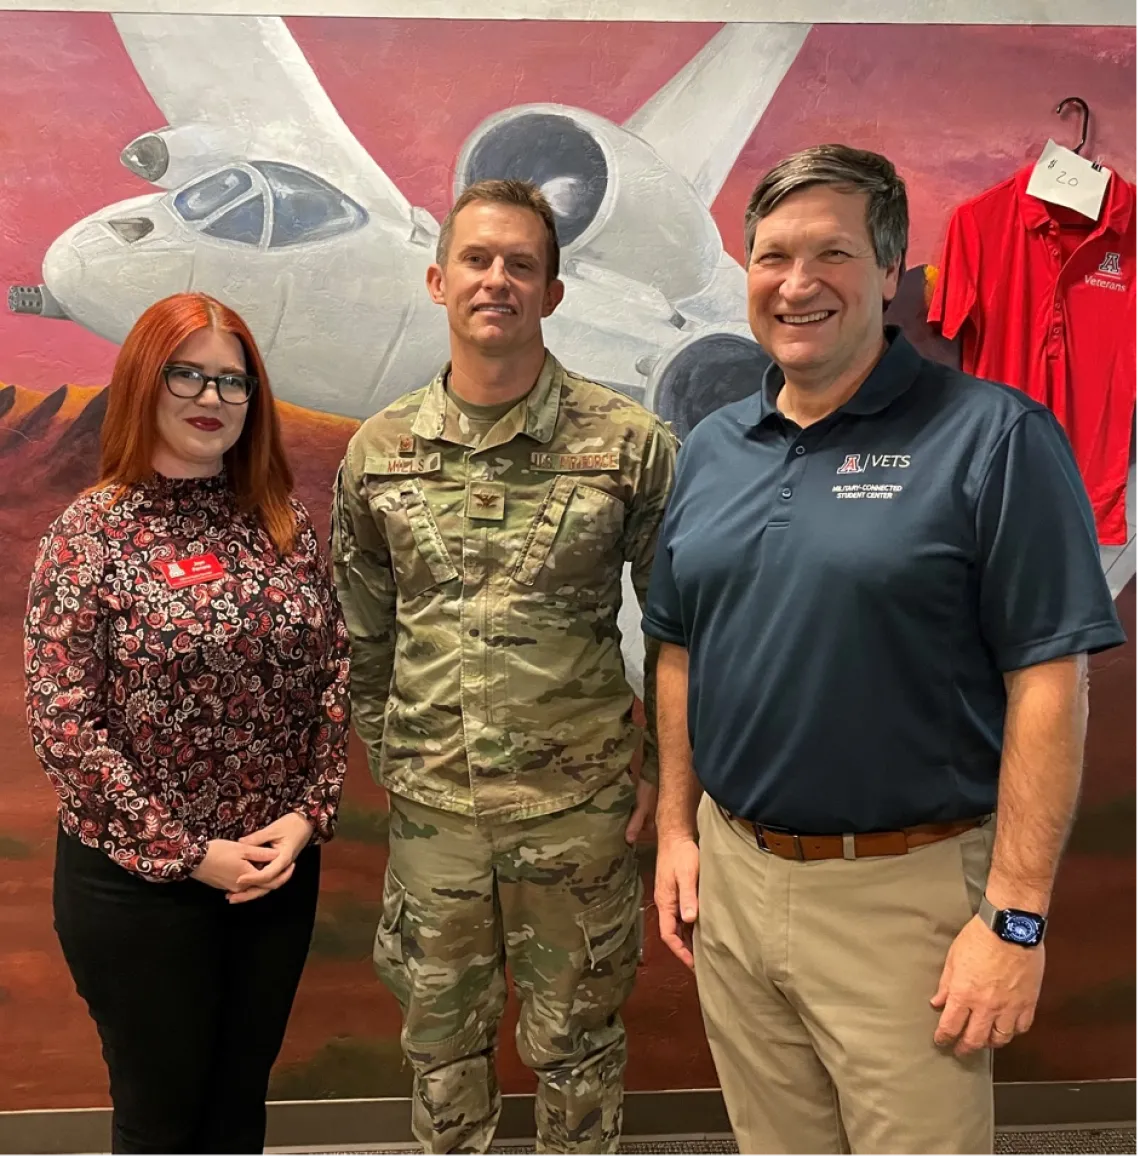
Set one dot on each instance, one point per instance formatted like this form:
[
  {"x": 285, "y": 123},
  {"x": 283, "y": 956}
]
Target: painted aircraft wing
[
  {"x": 701, "y": 119},
  {"x": 248, "y": 77}
]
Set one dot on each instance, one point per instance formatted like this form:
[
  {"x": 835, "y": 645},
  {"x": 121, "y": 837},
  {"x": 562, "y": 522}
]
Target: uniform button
[
  {"x": 786, "y": 493},
  {"x": 799, "y": 450},
  {"x": 474, "y": 633}
]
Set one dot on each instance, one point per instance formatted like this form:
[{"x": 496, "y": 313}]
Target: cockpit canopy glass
[{"x": 232, "y": 205}]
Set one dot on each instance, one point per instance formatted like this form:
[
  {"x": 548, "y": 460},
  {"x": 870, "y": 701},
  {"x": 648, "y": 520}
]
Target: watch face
[{"x": 1021, "y": 928}]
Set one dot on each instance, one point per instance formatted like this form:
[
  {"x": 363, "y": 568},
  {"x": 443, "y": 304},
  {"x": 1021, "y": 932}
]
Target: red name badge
[{"x": 195, "y": 569}]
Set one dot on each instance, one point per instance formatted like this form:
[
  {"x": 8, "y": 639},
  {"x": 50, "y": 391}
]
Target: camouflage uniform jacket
[{"x": 481, "y": 586}]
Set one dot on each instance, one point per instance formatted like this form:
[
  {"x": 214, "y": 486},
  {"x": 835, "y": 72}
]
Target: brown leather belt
[{"x": 792, "y": 846}]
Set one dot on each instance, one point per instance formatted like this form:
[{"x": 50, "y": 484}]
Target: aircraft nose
[
  {"x": 105, "y": 270},
  {"x": 71, "y": 258},
  {"x": 63, "y": 268}
]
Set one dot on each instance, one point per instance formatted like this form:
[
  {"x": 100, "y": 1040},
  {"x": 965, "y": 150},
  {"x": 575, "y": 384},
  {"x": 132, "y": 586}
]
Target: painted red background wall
[{"x": 957, "y": 108}]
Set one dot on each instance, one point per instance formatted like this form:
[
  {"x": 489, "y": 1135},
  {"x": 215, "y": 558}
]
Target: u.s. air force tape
[{"x": 599, "y": 460}]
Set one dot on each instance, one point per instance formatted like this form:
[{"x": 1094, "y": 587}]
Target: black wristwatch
[{"x": 1014, "y": 925}]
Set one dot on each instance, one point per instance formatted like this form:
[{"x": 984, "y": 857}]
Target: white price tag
[{"x": 1063, "y": 177}]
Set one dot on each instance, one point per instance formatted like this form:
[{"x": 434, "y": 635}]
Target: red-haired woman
[{"x": 187, "y": 692}]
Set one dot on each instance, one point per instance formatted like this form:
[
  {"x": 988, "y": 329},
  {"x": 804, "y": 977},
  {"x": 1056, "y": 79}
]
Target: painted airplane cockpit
[{"x": 267, "y": 204}]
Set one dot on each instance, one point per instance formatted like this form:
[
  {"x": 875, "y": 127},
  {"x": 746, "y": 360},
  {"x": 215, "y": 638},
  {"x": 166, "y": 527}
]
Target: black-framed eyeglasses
[{"x": 189, "y": 382}]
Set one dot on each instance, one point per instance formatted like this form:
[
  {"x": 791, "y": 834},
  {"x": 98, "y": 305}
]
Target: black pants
[{"x": 191, "y": 996}]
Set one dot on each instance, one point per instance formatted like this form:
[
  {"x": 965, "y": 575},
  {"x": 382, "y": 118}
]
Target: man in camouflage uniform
[{"x": 480, "y": 528}]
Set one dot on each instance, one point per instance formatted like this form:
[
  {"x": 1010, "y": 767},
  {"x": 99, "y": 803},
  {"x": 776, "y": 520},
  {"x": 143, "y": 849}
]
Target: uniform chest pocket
[
  {"x": 420, "y": 558},
  {"x": 573, "y": 534}
]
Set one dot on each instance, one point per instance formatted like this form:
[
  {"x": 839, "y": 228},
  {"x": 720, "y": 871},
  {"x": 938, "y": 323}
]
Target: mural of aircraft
[{"x": 269, "y": 202}]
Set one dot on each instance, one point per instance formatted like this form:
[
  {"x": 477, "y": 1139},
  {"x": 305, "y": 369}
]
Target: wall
[{"x": 957, "y": 108}]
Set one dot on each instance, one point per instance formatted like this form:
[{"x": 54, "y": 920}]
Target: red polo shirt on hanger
[{"x": 1045, "y": 300}]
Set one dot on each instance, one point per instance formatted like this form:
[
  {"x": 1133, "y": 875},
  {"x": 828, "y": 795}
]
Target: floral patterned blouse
[{"x": 168, "y": 715}]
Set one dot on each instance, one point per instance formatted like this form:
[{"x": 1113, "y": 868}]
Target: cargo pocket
[
  {"x": 576, "y": 527},
  {"x": 388, "y": 949},
  {"x": 612, "y": 931},
  {"x": 419, "y": 556}
]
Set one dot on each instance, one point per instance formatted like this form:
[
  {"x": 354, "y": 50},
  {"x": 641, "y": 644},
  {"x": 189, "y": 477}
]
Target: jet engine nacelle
[
  {"x": 710, "y": 369},
  {"x": 172, "y": 156},
  {"x": 617, "y": 203}
]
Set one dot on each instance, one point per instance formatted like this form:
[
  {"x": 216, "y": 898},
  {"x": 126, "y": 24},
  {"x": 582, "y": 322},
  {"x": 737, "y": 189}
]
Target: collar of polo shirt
[
  {"x": 1115, "y": 214},
  {"x": 892, "y": 376}
]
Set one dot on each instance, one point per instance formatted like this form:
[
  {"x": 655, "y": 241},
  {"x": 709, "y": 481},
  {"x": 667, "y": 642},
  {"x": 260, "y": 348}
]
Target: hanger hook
[{"x": 1084, "y": 117}]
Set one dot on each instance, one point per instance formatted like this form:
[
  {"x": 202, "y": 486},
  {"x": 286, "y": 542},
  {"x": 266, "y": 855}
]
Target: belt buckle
[{"x": 758, "y": 829}]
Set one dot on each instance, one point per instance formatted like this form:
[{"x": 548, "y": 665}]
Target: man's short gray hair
[{"x": 850, "y": 171}]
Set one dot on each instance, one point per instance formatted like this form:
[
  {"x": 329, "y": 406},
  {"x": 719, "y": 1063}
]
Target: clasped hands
[{"x": 255, "y": 865}]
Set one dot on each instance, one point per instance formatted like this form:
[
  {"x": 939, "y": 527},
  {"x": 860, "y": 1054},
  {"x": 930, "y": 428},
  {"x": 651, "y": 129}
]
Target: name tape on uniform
[
  {"x": 602, "y": 460},
  {"x": 419, "y": 464}
]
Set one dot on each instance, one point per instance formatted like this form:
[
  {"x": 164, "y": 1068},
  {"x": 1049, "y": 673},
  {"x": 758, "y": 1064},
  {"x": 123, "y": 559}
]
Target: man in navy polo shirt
[{"x": 876, "y": 587}]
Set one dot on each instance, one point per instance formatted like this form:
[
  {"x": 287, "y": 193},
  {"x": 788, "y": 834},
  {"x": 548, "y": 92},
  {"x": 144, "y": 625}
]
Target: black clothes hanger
[{"x": 1083, "y": 106}]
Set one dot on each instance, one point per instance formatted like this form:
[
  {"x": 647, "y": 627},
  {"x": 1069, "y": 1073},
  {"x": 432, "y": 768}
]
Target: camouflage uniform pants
[{"x": 558, "y": 899}]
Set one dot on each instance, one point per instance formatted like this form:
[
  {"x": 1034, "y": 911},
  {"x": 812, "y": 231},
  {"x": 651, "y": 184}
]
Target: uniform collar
[
  {"x": 893, "y": 374},
  {"x": 537, "y": 416},
  {"x": 1115, "y": 214}
]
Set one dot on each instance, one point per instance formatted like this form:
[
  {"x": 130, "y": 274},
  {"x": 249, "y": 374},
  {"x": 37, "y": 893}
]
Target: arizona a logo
[
  {"x": 851, "y": 465},
  {"x": 1110, "y": 265}
]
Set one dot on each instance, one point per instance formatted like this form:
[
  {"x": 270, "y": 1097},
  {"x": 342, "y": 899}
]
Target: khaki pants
[
  {"x": 815, "y": 980},
  {"x": 556, "y": 897}
]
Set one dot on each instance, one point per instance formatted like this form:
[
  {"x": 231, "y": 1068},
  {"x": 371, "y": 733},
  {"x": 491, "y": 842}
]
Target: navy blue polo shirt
[{"x": 850, "y": 593}]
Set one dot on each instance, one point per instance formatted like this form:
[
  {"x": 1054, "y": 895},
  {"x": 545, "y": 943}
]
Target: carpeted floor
[
  {"x": 1103, "y": 1141},
  {"x": 1116, "y": 1141}
]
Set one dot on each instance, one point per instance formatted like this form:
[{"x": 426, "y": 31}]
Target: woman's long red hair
[{"x": 255, "y": 464}]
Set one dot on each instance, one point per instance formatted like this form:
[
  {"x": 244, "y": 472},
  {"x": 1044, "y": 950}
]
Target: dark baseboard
[
  {"x": 1024, "y": 1105},
  {"x": 360, "y": 1122}
]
